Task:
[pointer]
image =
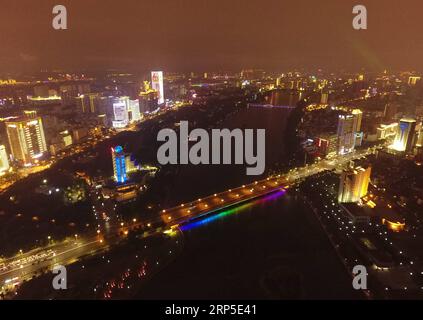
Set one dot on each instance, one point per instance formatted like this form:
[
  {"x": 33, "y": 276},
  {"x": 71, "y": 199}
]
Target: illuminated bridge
[{"x": 223, "y": 200}]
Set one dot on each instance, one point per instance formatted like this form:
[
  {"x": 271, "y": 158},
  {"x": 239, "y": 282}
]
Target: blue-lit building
[
  {"x": 122, "y": 165},
  {"x": 119, "y": 164}
]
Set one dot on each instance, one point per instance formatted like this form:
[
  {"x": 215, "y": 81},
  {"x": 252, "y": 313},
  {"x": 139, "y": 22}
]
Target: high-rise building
[
  {"x": 120, "y": 112},
  {"x": 405, "y": 138},
  {"x": 26, "y": 139},
  {"x": 157, "y": 85},
  {"x": 148, "y": 99},
  {"x": 122, "y": 164},
  {"x": 134, "y": 110},
  {"x": 119, "y": 165},
  {"x": 4, "y": 160},
  {"x": 88, "y": 103},
  {"x": 358, "y": 118},
  {"x": 354, "y": 184},
  {"x": 348, "y": 133},
  {"x": 326, "y": 145}
]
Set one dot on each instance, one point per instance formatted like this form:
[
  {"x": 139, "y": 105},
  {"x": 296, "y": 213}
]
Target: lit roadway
[
  {"x": 256, "y": 189},
  {"x": 25, "y": 266}
]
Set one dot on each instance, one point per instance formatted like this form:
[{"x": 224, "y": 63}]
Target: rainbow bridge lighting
[{"x": 235, "y": 210}]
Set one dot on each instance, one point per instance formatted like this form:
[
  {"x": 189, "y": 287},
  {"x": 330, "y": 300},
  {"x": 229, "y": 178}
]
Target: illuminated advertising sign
[{"x": 157, "y": 84}]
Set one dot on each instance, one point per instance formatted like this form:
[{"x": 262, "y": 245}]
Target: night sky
[{"x": 198, "y": 35}]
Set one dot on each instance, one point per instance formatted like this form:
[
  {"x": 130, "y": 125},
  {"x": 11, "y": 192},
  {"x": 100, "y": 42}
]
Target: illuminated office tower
[
  {"x": 122, "y": 164},
  {"x": 4, "y": 161},
  {"x": 354, "y": 184},
  {"x": 88, "y": 103},
  {"x": 157, "y": 84},
  {"x": 405, "y": 135},
  {"x": 148, "y": 99},
  {"x": 346, "y": 134},
  {"x": 134, "y": 110},
  {"x": 26, "y": 139},
  {"x": 358, "y": 118},
  {"x": 119, "y": 164},
  {"x": 120, "y": 112}
]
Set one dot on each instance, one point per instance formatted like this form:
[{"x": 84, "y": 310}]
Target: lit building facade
[
  {"x": 26, "y": 139},
  {"x": 349, "y": 135},
  {"x": 134, "y": 111},
  {"x": 346, "y": 134},
  {"x": 120, "y": 112},
  {"x": 354, "y": 184},
  {"x": 387, "y": 130},
  {"x": 157, "y": 85},
  {"x": 88, "y": 103},
  {"x": 122, "y": 165},
  {"x": 405, "y": 137},
  {"x": 4, "y": 160},
  {"x": 119, "y": 165},
  {"x": 326, "y": 145}
]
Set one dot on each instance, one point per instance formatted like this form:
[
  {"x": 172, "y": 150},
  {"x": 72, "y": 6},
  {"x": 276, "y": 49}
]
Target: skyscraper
[
  {"x": 358, "y": 118},
  {"x": 348, "y": 133},
  {"x": 119, "y": 165},
  {"x": 122, "y": 164},
  {"x": 405, "y": 137},
  {"x": 4, "y": 161},
  {"x": 26, "y": 139},
  {"x": 148, "y": 100},
  {"x": 88, "y": 103},
  {"x": 157, "y": 84},
  {"x": 134, "y": 110},
  {"x": 354, "y": 184},
  {"x": 120, "y": 112}
]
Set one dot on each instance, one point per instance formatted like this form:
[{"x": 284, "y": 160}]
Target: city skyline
[{"x": 227, "y": 150}]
